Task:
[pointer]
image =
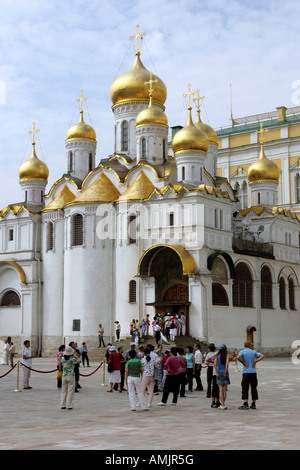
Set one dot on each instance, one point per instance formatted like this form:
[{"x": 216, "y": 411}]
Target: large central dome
[{"x": 131, "y": 86}]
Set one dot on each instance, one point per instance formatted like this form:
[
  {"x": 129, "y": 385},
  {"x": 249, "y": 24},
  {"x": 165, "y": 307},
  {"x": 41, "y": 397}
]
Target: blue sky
[{"x": 51, "y": 49}]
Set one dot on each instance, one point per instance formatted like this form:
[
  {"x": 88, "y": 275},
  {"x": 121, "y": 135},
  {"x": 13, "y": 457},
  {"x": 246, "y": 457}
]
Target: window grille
[
  {"x": 10, "y": 298},
  {"x": 143, "y": 149},
  {"x": 77, "y": 232},
  {"x": 282, "y": 302},
  {"x": 132, "y": 291},
  {"x": 219, "y": 295},
  {"x": 242, "y": 287},
  {"x": 50, "y": 236},
  {"x": 76, "y": 325},
  {"x": 291, "y": 295},
  {"x": 266, "y": 288},
  {"x": 124, "y": 135}
]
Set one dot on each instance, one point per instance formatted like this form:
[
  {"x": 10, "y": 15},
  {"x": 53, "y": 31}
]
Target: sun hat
[{"x": 69, "y": 351}]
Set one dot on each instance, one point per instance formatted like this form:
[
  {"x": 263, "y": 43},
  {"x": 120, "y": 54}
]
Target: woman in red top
[
  {"x": 173, "y": 365},
  {"x": 115, "y": 376}
]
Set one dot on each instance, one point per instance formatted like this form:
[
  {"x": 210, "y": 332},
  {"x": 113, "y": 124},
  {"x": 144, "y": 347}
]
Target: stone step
[{"x": 98, "y": 354}]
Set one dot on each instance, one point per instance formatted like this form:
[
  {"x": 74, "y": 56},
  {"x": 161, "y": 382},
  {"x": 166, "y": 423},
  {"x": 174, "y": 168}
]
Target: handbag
[
  {"x": 59, "y": 375},
  {"x": 110, "y": 367}
]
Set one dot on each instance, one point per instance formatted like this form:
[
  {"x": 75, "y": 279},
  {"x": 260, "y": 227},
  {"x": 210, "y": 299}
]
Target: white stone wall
[
  {"x": 156, "y": 143},
  {"x": 81, "y": 151},
  {"x": 127, "y": 112}
]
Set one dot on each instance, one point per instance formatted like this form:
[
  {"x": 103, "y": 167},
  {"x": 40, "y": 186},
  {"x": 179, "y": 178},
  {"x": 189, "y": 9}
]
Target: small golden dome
[
  {"x": 33, "y": 169},
  {"x": 131, "y": 86},
  {"x": 190, "y": 138},
  {"x": 151, "y": 116},
  {"x": 263, "y": 169},
  {"x": 81, "y": 131},
  {"x": 209, "y": 131}
]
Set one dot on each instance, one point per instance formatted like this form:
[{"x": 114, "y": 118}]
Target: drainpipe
[
  {"x": 112, "y": 274},
  {"x": 206, "y": 303},
  {"x": 259, "y": 304},
  {"x": 36, "y": 221}
]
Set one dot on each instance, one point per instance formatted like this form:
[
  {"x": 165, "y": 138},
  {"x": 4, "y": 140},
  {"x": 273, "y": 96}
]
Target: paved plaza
[{"x": 33, "y": 420}]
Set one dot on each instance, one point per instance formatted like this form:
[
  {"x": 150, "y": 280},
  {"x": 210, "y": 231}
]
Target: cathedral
[{"x": 160, "y": 225}]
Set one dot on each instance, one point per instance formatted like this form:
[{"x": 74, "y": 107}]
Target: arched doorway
[{"x": 170, "y": 266}]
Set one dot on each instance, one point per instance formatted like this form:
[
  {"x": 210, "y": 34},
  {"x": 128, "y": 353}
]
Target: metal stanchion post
[
  {"x": 18, "y": 378},
  {"x": 103, "y": 384}
]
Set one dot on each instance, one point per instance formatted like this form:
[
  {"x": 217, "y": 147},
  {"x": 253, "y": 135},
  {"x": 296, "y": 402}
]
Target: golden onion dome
[
  {"x": 151, "y": 116},
  {"x": 209, "y": 131},
  {"x": 131, "y": 86},
  {"x": 33, "y": 169},
  {"x": 81, "y": 131},
  {"x": 190, "y": 138},
  {"x": 263, "y": 169}
]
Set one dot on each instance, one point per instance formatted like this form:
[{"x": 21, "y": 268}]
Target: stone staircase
[{"x": 98, "y": 354}]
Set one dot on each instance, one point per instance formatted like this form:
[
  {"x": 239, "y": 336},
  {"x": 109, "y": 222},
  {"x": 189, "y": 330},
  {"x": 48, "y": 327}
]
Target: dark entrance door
[{"x": 175, "y": 301}]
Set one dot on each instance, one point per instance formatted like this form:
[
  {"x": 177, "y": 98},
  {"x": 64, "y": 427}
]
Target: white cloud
[{"x": 51, "y": 50}]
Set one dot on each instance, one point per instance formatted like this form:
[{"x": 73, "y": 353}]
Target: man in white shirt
[
  {"x": 27, "y": 361},
  {"x": 198, "y": 367}
]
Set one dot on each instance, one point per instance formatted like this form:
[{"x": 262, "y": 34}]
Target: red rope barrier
[
  {"x": 88, "y": 375},
  {"x": 55, "y": 370},
  {"x": 1, "y": 376},
  {"x": 39, "y": 371}
]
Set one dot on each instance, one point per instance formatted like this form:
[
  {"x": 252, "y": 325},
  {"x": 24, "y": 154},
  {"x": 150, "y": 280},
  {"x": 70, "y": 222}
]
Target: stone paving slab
[{"x": 32, "y": 419}]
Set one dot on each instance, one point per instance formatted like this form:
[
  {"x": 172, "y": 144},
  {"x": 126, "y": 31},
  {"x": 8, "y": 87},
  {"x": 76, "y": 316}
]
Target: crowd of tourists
[{"x": 148, "y": 370}]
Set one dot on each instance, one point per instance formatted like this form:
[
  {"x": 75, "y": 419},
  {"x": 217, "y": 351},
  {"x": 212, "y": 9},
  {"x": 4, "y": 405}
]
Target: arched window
[
  {"x": 71, "y": 163},
  {"x": 50, "y": 236},
  {"x": 266, "y": 288},
  {"x": 282, "y": 302},
  {"x": 297, "y": 180},
  {"x": 219, "y": 295},
  {"x": 183, "y": 173},
  {"x": 291, "y": 295},
  {"x": 244, "y": 195},
  {"x": 143, "y": 149},
  {"x": 77, "y": 230},
  {"x": 242, "y": 287},
  {"x": 132, "y": 229},
  {"x": 10, "y": 299},
  {"x": 90, "y": 162},
  {"x": 124, "y": 135},
  {"x": 132, "y": 291}
]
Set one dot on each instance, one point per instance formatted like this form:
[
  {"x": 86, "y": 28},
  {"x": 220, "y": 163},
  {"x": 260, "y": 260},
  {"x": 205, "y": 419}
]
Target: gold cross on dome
[
  {"x": 81, "y": 100},
  {"x": 189, "y": 96},
  {"x": 261, "y": 133},
  {"x": 33, "y": 132},
  {"x": 198, "y": 98},
  {"x": 150, "y": 83},
  {"x": 138, "y": 36}
]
